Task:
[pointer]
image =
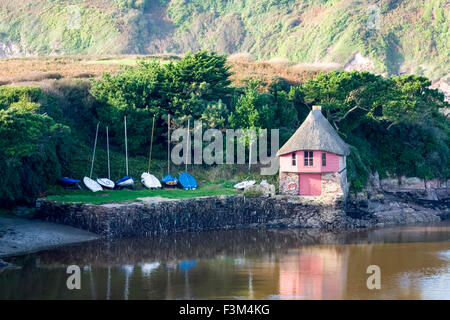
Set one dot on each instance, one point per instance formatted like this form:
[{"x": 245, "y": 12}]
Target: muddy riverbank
[{"x": 21, "y": 236}]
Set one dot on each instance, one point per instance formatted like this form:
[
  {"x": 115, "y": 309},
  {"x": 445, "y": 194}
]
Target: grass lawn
[
  {"x": 131, "y": 195},
  {"x": 5, "y": 213}
]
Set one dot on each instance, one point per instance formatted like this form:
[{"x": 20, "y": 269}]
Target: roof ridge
[{"x": 315, "y": 133}]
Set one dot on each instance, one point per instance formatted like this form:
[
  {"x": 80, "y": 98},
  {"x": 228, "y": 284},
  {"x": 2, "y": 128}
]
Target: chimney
[{"x": 317, "y": 107}]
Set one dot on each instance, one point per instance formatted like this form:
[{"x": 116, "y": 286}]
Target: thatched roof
[{"x": 315, "y": 133}]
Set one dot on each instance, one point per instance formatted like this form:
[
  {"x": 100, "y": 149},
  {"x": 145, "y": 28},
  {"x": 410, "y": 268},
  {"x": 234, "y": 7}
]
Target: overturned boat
[{"x": 126, "y": 181}]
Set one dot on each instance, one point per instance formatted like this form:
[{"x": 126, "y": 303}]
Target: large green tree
[
  {"x": 33, "y": 149},
  {"x": 183, "y": 89},
  {"x": 394, "y": 124}
]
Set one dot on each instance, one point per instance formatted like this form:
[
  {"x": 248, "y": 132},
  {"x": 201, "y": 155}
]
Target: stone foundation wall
[
  {"x": 334, "y": 186},
  {"x": 161, "y": 216},
  {"x": 331, "y": 186},
  {"x": 287, "y": 182}
]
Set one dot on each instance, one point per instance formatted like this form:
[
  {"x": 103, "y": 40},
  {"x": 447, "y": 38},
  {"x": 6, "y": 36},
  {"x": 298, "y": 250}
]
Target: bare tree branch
[
  {"x": 393, "y": 123},
  {"x": 349, "y": 111}
]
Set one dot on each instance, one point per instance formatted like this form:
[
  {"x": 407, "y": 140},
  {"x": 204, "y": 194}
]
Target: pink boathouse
[{"x": 313, "y": 160}]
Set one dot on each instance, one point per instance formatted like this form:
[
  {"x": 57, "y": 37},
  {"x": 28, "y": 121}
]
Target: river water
[{"x": 414, "y": 263}]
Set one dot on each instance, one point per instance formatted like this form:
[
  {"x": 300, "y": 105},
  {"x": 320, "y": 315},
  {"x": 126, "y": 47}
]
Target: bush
[
  {"x": 32, "y": 150},
  {"x": 251, "y": 193}
]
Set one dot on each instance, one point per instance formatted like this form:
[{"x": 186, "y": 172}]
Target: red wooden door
[{"x": 310, "y": 184}]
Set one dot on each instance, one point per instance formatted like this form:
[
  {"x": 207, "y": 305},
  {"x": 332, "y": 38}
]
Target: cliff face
[{"x": 9, "y": 50}]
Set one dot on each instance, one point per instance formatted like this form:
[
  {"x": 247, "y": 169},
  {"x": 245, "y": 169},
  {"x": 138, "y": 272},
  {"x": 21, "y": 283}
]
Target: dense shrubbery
[
  {"x": 33, "y": 147},
  {"x": 394, "y": 124},
  {"x": 197, "y": 87}
]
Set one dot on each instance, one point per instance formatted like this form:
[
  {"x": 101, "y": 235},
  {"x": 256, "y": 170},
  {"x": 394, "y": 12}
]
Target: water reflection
[
  {"x": 256, "y": 264},
  {"x": 314, "y": 273}
]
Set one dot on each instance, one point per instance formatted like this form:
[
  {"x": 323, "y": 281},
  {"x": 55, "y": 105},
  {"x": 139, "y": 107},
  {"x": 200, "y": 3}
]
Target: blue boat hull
[
  {"x": 187, "y": 181},
  {"x": 169, "y": 180},
  {"x": 125, "y": 182},
  {"x": 69, "y": 183}
]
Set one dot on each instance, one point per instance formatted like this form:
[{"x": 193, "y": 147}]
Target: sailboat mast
[
  {"x": 93, "y": 154},
  {"x": 168, "y": 145},
  {"x": 151, "y": 146},
  {"x": 250, "y": 153},
  {"x": 187, "y": 144},
  {"x": 107, "y": 149},
  {"x": 126, "y": 145}
]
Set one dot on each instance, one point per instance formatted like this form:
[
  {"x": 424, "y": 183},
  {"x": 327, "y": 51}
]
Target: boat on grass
[
  {"x": 92, "y": 184},
  {"x": 244, "y": 184},
  {"x": 187, "y": 181},
  {"x": 70, "y": 183},
  {"x": 150, "y": 181},
  {"x": 126, "y": 181},
  {"x": 106, "y": 182},
  {"x": 88, "y": 182},
  {"x": 170, "y": 181},
  {"x": 247, "y": 183},
  {"x": 147, "y": 179}
]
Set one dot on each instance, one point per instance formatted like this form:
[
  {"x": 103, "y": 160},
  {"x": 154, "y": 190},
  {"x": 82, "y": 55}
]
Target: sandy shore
[{"x": 20, "y": 236}]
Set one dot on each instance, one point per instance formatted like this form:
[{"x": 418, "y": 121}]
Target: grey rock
[{"x": 266, "y": 190}]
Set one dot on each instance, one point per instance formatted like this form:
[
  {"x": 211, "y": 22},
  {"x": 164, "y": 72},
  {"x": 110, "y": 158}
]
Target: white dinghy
[
  {"x": 150, "y": 181},
  {"x": 92, "y": 184},
  {"x": 126, "y": 181},
  {"x": 247, "y": 183},
  {"x": 88, "y": 182},
  {"x": 106, "y": 182},
  {"x": 147, "y": 179}
]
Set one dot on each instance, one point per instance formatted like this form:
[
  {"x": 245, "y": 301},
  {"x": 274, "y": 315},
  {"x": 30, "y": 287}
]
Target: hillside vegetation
[
  {"x": 397, "y": 36},
  {"x": 393, "y": 124}
]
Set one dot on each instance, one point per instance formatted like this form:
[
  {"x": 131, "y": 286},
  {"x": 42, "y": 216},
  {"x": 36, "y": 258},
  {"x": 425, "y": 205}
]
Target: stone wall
[
  {"x": 199, "y": 214},
  {"x": 332, "y": 187},
  {"x": 287, "y": 182},
  {"x": 160, "y": 216}
]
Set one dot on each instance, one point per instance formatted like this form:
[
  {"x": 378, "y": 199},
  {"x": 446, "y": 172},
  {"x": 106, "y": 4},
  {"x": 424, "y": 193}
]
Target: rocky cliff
[{"x": 400, "y": 200}]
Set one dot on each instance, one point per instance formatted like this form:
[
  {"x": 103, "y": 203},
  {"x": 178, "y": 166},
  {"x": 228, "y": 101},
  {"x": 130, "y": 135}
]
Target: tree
[
  {"x": 393, "y": 123},
  {"x": 198, "y": 79},
  {"x": 183, "y": 88},
  {"x": 33, "y": 149}
]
